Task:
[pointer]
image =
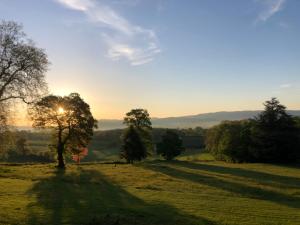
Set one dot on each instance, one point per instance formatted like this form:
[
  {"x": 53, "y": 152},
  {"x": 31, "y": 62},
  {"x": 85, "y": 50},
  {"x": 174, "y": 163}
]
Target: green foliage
[
  {"x": 105, "y": 144},
  {"x": 140, "y": 120},
  {"x": 170, "y": 146},
  {"x": 273, "y": 136},
  {"x": 230, "y": 141},
  {"x": 133, "y": 147}
]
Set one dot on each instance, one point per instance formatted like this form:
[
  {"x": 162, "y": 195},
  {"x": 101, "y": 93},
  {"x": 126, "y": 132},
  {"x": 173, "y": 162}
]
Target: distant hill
[{"x": 203, "y": 120}]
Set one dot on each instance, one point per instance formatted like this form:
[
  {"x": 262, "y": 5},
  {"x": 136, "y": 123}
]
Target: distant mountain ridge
[{"x": 201, "y": 120}]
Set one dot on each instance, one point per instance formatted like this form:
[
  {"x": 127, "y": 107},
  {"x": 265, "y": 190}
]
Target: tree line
[{"x": 273, "y": 137}]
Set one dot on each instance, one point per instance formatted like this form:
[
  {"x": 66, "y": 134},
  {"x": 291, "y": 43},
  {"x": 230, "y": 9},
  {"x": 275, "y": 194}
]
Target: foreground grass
[{"x": 154, "y": 192}]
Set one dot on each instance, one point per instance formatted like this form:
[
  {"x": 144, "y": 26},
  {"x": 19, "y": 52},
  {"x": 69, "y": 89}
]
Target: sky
[{"x": 171, "y": 57}]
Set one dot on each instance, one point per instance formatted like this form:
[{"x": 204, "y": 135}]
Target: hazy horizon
[
  {"x": 171, "y": 58},
  {"x": 181, "y": 121}
]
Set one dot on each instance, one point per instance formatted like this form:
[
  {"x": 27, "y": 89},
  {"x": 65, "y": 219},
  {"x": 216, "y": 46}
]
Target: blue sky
[{"x": 172, "y": 57}]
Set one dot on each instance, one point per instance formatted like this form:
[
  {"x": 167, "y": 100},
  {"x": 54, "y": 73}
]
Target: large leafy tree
[
  {"x": 22, "y": 69},
  {"x": 276, "y": 134},
  {"x": 133, "y": 148},
  {"x": 22, "y": 65},
  {"x": 170, "y": 146},
  {"x": 140, "y": 120},
  {"x": 70, "y": 118}
]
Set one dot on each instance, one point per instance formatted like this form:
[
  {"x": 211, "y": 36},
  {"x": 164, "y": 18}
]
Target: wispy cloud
[
  {"x": 284, "y": 25},
  {"x": 81, "y": 5},
  {"x": 270, "y": 8},
  {"x": 125, "y": 40},
  {"x": 136, "y": 55},
  {"x": 125, "y": 2},
  {"x": 283, "y": 86}
]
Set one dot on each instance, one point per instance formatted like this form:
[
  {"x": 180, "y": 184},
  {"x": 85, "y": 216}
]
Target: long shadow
[
  {"x": 237, "y": 188},
  {"x": 260, "y": 177},
  {"x": 87, "y": 197}
]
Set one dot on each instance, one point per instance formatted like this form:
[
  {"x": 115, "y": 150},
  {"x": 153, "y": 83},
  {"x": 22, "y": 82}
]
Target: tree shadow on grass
[
  {"x": 89, "y": 197},
  {"x": 237, "y": 188},
  {"x": 260, "y": 177}
]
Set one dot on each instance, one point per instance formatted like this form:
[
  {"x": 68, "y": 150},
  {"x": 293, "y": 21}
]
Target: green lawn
[{"x": 153, "y": 192}]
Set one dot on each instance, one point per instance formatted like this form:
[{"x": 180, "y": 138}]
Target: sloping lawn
[{"x": 154, "y": 192}]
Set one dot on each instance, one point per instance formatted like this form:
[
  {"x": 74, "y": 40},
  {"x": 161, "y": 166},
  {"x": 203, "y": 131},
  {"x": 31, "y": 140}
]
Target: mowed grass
[{"x": 153, "y": 192}]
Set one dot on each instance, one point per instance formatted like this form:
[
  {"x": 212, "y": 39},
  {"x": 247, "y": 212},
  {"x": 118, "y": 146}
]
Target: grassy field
[{"x": 153, "y": 192}]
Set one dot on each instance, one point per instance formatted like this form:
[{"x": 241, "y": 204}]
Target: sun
[{"x": 60, "y": 110}]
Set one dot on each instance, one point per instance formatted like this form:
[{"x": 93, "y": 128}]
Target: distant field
[{"x": 153, "y": 192}]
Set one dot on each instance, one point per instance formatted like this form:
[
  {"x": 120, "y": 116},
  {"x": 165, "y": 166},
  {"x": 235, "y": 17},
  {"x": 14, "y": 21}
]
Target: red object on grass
[{"x": 80, "y": 155}]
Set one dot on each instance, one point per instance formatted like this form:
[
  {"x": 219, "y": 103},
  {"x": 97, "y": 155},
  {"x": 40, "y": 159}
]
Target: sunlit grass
[{"x": 154, "y": 192}]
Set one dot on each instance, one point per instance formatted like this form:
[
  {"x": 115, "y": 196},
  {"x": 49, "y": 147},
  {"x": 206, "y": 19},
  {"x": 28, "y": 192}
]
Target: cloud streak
[
  {"x": 284, "y": 86},
  {"x": 271, "y": 7},
  {"x": 124, "y": 39}
]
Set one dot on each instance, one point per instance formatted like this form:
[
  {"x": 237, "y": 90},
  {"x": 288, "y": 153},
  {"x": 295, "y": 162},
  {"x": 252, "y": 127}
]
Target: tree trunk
[
  {"x": 60, "y": 157},
  {"x": 60, "y": 150}
]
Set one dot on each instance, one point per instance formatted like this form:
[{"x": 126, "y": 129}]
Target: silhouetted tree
[
  {"x": 140, "y": 120},
  {"x": 170, "y": 146},
  {"x": 276, "y": 134},
  {"x": 133, "y": 148},
  {"x": 22, "y": 65},
  {"x": 71, "y": 119}
]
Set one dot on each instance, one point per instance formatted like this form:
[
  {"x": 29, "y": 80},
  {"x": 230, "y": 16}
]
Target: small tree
[
  {"x": 69, "y": 117},
  {"x": 133, "y": 148},
  {"x": 170, "y": 146},
  {"x": 140, "y": 120},
  {"x": 78, "y": 154}
]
